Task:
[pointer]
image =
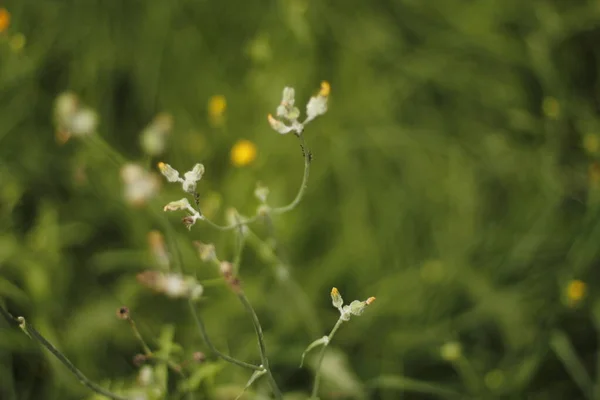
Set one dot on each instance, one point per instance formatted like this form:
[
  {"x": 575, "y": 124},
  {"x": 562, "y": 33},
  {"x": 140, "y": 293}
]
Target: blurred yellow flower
[
  {"x": 216, "y": 110},
  {"x": 243, "y": 153},
  {"x": 4, "y": 19},
  {"x": 325, "y": 89},
  {"x": 575, "y": 291}
]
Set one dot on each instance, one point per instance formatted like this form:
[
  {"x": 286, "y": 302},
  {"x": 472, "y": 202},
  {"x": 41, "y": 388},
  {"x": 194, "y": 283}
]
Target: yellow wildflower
[
  {"x": 4, "y": 19},
  {"x": 216, "y": 110},
  {"x": 325, "y": 89},
  {"x": 243, "y": 153},
  {"x": 575, "y": 291}
]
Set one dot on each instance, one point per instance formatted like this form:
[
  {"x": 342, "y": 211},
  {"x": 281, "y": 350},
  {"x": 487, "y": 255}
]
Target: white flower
[
  {"x": 286, "y": 108},
  {"x": 154, "y": 136},
  {"x": 140, "y": 185},
  {"x": 169, "y": 172},
  {"x": 83, "y": 122},
  {"x": 189, "y": 180},
  {"x": 278, "y": 126},
  {"x": 317, "y": 105},
  {"x": 191, "y": 177},
  {"x": 174, "y": 286}
]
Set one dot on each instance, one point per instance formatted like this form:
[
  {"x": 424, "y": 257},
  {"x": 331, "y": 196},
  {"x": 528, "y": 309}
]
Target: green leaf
[
  {"x": 319, "y": 342},
  {"x": 253, "y": 378}
]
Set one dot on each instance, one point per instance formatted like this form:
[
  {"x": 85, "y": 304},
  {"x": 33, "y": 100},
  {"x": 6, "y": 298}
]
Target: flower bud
[
  {"x": 182, "y": 204},
  {"x": 195, "y": 174},
  {"x": 190, "y": 220},
  {"x": 169, "y": 172},
  {"x": 123, "y": 313},
  {"x": 158, "y": 249},
  {"x": 146, "y": 376},
  {"x": 451, "y": 351},
  {"x": 336, "y": 298},
  {"x": 357, "y": 307},
  {"x": 278, "y": 125},
  {"x": 198, "y": 357},
  {"x": 140, "y": 185},
  {"x": 206, "y": 251},
  {"x": 139, "y": 360},
  {"x": 226, "y": 269},
  {"x": 261, "y": 192},
  {"x": 84, "y": 122}
]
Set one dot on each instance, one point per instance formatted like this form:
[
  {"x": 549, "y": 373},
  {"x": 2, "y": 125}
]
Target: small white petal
[
  {"x": 169, "y": 172},
  {"x": 195, "y": 174}
]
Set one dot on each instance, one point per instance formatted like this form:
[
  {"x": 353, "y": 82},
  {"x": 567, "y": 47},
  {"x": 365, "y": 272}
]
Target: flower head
[
  {"x": 71, "y": 118},
  {"x": 171, "y": 285},
  {"x": 575, "y": 292},
  {"x": 216, "y": 110},
  {"x": 154, "y": 136},
  {"x": 336, "y": 298},
  {"x": 317, "y": 105},
  {"x": 4, "y": 19},
  {"x": 243, "y": 153},
  {"x": 139, "y": 184},
  {"x": 286, "y": 108}
]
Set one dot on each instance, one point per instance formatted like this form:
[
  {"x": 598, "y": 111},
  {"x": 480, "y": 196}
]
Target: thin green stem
[
  {"x": 211, "y": 346},
  {"x": 307, "y": 159},
  {"x": 315, "y": 390},
  {"x": 269, "y": 256},
  {"x": 30, "y": 331},
  {"x": 139, "y": 337},
  {"x": 261, "y": 344},
  {"x": 176, "y": 255}
]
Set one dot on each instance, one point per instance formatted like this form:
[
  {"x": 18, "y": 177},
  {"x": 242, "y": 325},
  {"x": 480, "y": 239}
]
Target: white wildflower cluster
[
  {"x": 189, "y": 180},
  {"x": 357, "y": 307},
  {"x": 73, "y": 119},
  {"x": 188, "y": 184},
  {"x": 317, "y": 105},
  {"x": 171, "y": 284},
  {"x": 139, "y": 184}
]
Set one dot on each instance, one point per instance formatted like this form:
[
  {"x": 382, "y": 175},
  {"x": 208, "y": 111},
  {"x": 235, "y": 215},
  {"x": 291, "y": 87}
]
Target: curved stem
[
  {"x": 261, "y": 344},
  {"x": 315, "y": 390},
  {"x": 211, "y": 346},
  {"x": 276, "y": 210},
  {"x": 30, "y": 331},
  {"x": 307, "y": 159}
]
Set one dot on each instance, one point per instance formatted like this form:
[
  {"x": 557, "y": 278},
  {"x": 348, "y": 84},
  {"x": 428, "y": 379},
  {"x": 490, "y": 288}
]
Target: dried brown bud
[
  {"x": 235, "y": 284},
  {"x": 188, "y": 221},
  {"x": 226, "y": 269},
  {"x": 206, "y": 251},
  {"x": 123, "y": 313},
  {"x": 149, "y": 278},
  {"x": 198, "y": 357},
  {"x": 139, "y": 360}
]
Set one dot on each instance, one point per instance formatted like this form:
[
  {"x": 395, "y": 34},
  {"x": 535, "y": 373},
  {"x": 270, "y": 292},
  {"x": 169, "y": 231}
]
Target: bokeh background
[{"x": 455, "y": 177}]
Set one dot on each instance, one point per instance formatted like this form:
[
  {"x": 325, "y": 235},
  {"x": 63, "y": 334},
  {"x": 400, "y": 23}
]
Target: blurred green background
[{"x": 455, "y": 177}]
